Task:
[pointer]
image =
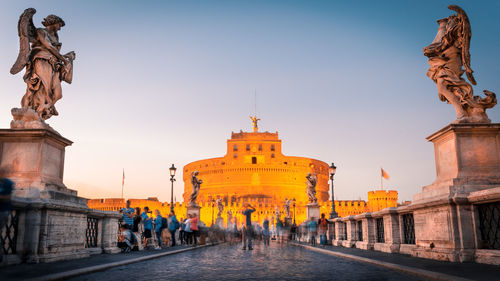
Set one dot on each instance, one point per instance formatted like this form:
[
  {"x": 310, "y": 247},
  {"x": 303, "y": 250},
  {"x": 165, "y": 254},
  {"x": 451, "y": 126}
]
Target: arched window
[{"x": 235, "y": 147}]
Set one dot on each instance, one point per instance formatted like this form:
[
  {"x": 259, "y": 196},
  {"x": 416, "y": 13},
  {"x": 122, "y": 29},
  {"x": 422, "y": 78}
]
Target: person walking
[
  {"x": 279, "y": 228},
  {"x": 173, "y": 225},
  {"x": 323, "y": 227},
  {"x": 188, "y": 233},
  {"x": 249, "y": 230},
  {"x": 148, "y": 226},
  {"x": 138, "y": 228},
  {"x": 265, "y": 232},
  {"x": 128, "y": 215},
  {"x": 312, "y": 231},
  {"x": 182, "y": 234},
  {"x": 158, "y": 228},
  {"x": 6, "y": 187},
  {"x": 194, "y": 228}
]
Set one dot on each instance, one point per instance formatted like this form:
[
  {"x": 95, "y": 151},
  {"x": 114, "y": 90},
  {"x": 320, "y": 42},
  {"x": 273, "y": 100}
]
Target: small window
[
  {"x": 260, "y": 147},
  {"x": 235, "y": 147},
  {"x": 235, "y": 155},
  {"x": 272, "y": 155},
  {"x": 254, "y": 160},
  {"x": 272, "y": 147},
  {"x": 248, "y": 147}
]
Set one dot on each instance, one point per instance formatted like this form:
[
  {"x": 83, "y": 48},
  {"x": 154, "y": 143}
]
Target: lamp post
[
  {"x": 212, "y": 212},
  {"x": 172, "y": 175},
  {"x": 333, "y": 169},
  {"x": 293, "y": 210}
]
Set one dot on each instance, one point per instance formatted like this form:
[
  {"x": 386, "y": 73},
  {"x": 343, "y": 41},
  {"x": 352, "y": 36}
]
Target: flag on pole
[{"x": 384, "y": 174}]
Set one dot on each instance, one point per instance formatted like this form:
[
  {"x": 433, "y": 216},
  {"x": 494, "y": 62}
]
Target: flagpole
[
  {"x": 123, "y": 181},
  {"x": 381, "y": 179}
]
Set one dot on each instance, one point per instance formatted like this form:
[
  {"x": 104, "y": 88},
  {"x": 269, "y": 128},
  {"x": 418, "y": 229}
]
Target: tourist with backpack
[
  {"x": 173, "y": 225},
  {"x": 323, "y": 228},
  {"x": 160, "y": 224}
]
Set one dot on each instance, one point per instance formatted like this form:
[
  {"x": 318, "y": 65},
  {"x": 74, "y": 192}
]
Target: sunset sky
[{"x": 162, "y": 82}]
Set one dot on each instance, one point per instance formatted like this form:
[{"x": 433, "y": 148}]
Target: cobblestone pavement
[
  {"x": 473, "y": 271},
  {"x": 226, "y": 262}
]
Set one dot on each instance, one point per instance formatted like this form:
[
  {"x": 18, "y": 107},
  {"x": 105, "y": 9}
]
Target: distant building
[{"x": 254, "y": 170}]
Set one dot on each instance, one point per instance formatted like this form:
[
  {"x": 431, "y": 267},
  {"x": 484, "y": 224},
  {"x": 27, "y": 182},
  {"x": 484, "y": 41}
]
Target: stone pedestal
[
  {"x": 467, "y": 160},
  {"x": 53, "y": 221},
  {"x": 194, "y": 210},
  {"x": 312, "y": 210},
  {"x": 34, "y": 160}
]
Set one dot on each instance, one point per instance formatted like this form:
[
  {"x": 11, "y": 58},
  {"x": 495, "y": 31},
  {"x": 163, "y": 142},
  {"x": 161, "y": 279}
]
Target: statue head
[
  {"x": 195, "y": 173},
  {"x": 53, "y": 20}
]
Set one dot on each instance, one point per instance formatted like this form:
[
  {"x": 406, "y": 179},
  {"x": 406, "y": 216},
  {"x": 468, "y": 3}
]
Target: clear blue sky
[{"x": 161, "y": 82}]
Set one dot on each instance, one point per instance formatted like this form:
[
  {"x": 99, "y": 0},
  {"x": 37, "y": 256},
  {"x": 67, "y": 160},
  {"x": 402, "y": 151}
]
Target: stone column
[
  {"x": 368, "y": 233},
  {"x": 351, "y": 232},
  {"x": 109, "y": 233}
]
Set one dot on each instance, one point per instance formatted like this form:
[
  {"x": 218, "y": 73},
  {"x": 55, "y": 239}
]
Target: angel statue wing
[
  {"x": 27, "y": 34},
  {"x": 464, "y": 35}
]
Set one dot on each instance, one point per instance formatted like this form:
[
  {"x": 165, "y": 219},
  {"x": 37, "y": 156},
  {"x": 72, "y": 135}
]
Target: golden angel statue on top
[
  {"x": 46, "y": 67},
  {"x": 449, "y": 58}
]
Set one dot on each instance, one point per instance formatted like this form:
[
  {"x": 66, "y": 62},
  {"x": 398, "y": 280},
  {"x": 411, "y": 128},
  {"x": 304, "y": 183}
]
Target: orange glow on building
[{"x": 254, "y": 170}]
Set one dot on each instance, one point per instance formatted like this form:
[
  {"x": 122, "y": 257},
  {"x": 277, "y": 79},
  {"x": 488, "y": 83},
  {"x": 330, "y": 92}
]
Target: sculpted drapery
[
  {"x": 46, "y": 68},
  {"x": 449, "y": 58}
]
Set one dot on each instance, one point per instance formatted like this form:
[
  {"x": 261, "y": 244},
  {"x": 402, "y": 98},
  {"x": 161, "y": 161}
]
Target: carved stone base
[
  {"x": 194, "y": 210},
  {"x": 312, "y": 211},
  {"x": 26, "y": 118},
  {"x": 467, "y": 159},
  {"x": 34, "y": 160}
]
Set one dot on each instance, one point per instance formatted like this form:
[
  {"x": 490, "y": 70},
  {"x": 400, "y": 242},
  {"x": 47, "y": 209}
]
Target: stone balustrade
[
  {"x": 474, "y": 221},
  {"x": 48, "y": 230}
]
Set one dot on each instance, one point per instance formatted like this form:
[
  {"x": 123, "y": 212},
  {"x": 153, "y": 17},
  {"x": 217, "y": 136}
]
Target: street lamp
[
  {"x": 212, "y": 212},
  {"x": 293, "y": 210},
  {"x": 333, "y": 169},
  {"x": 172, "y": 175}
]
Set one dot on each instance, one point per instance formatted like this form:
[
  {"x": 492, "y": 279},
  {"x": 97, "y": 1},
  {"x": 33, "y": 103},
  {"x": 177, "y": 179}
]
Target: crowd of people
[{"x": 141, "y": 230}]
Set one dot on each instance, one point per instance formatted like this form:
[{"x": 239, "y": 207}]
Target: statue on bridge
[
  {"x": 195, "y": 182},
  {"x": 220, "y": 206},
  {"x": 449, "y": 58},
  {"x": 311, "y": 188},
  {"x": 288, "y": 202},
  {"x": 46, "y": 68}
]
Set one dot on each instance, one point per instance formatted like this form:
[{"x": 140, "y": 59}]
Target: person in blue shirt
[
  {"x": 158, "y": 227},
  {"x": 312, "y": 231},
  {"x": 6, "y": 187},
  {"x": 148, "y": 225},
  {"x": 173, "y": 224},
  {"x": 128, "y": 215},
  {"x": 249, "y": 230}
]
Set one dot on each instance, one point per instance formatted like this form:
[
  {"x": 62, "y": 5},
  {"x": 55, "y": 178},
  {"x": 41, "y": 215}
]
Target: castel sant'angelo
[{"x": 255, "y": 170}]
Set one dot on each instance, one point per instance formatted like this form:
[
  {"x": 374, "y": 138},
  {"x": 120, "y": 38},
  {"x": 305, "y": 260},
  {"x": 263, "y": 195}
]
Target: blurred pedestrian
[
  {"x": 312, "y": 231},
  {"x": 323, "y": 228},
  {"x": 194, "y": 228},
  {"x": 6, "y": 188},
  {"x": 159, "y": 226},
  {"x": 148, "y": 226},
  {"x": 279, "y": 229},
  {"x": 173, "y": 225},
  {"x": 182, "y": 237},
  {"x": 188, "y": 233},
  {"x": 138, "y": 228},
  {"x": 265, "y": 232},
  {"x": 249, "y": 230}
]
